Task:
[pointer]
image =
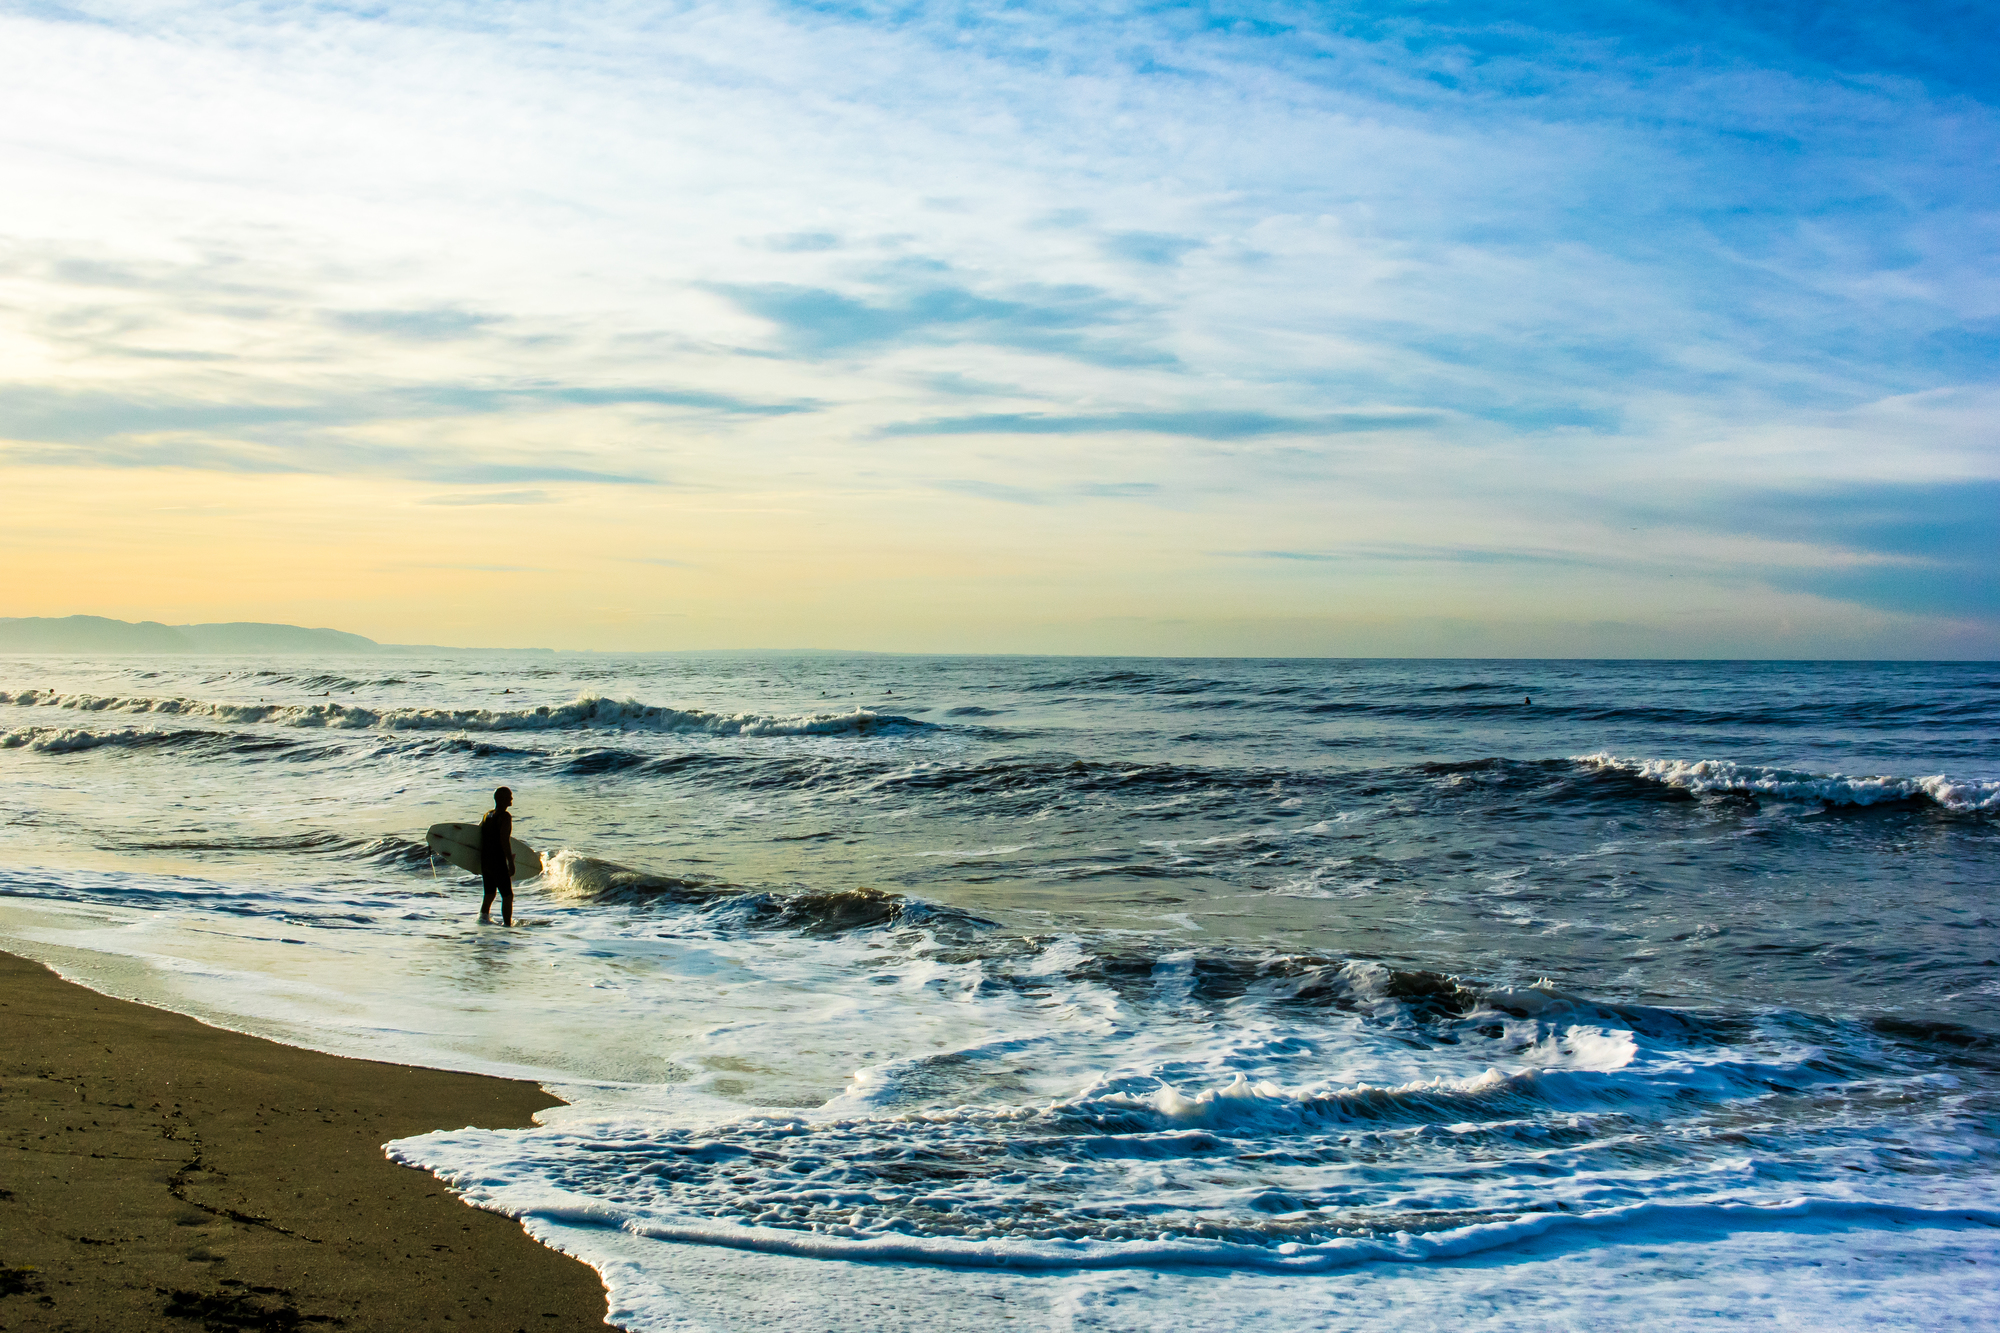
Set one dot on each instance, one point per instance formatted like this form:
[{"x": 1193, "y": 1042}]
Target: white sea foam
[
  {"x": 1244, "y": 1173},
  {"x": 489, "y": 1170},
  {"x": 1723, "y": 777},
  {"x": 1817, "y": 1270}
]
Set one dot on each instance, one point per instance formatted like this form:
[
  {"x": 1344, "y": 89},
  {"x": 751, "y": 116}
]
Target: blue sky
[{"x": 1644, "y": 328}]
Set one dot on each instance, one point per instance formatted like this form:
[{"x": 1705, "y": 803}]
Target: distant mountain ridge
[{"x": 98, "y": 634}]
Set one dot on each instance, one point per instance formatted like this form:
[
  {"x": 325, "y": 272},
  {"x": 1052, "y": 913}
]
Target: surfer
[{"x": 496, "y": 857}]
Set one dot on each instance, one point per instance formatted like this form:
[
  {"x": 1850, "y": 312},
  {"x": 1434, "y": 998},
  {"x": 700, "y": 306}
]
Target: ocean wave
[
  {"x": 1030, "y": 779},
  {"x": 325, "y": 681},
  {"x": 588, "y": 711},
  {"x": 77, "y": 740},
  {"x": 444, "y": 746},
  {"x": 824, "y": 912},
  {"x": 1569, "y": 1069},
  {"x": 1342, "y": 697},
  {"x": 597, "y": 760},
  {"x": 1008, "y": 776},
  {"x": 320, "y": 680},
  {"x": 1721, "y": 777},
  {"x": 1098, "y": 681},
  {"x": 570, "y": 874},
  {"x": 211, "y": 742},
  {"x": 387, "y": 851},
  {"x": 1424, "y": 999},
  {"x": 813, "y": 912}
]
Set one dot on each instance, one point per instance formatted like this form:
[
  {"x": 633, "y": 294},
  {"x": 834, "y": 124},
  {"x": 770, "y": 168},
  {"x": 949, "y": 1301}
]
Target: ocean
[{"x": 1066, "y": 993}]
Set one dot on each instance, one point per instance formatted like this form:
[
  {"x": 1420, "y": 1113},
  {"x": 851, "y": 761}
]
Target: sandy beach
[{"x": 159, "y": 1174}]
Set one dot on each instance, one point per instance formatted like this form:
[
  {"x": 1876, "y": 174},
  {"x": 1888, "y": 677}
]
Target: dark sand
[{"x": 158, "y": 1174}]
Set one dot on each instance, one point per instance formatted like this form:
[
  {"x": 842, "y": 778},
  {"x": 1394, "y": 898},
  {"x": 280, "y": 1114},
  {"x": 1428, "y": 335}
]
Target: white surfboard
[{"x": 459, "y": 844}]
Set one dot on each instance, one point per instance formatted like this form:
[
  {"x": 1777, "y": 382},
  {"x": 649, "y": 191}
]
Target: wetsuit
[{"x": 495, "y": 857}]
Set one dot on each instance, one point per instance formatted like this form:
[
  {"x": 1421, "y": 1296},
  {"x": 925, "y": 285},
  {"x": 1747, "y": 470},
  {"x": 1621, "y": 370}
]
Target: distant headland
[{"x": 98, "y": 634}]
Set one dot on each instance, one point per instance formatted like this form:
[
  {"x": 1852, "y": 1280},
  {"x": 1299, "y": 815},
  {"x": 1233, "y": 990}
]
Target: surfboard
[{"x": 459, "y": 844}]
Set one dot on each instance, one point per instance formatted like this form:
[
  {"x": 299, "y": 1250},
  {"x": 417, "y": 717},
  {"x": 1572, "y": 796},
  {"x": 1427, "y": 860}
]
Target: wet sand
[{"x": 159, "y": 1174}]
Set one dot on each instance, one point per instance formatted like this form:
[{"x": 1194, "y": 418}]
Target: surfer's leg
[
  {"x": 496, "y": 884},
  {"x": 506, "y": 902}
]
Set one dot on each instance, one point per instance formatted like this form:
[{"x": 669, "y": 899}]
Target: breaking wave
[
  {"x": 208, "y": 742},
  {"x": 76, "y": 740},
  {"x": 588, "y": 711},
  {"x": 572, "y": 875},
  {"x": 1721, "y": 777}
]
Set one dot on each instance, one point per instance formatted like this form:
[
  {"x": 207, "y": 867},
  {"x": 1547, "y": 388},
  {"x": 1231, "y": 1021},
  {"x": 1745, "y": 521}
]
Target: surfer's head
[{"x": 502, "y": 797}]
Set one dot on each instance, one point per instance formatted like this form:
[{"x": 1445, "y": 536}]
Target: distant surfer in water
[{"x": 496, "y": 857}]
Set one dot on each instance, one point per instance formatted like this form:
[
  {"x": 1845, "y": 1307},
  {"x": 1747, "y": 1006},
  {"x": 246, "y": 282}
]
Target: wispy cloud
[
  {"x": 51, "y": 414},
  {"x": 491, "y": 498},
  {"x": 1149, "y": 247},
  {"x": 1894, "y": 546},
  {"x": 1199, "y": 424},
  {"x": 993, "y": 490},
  {"x": 1054, "y": 492},
  {"x": 205, "y": 455},
  {"x": 312, "y": 430},
  {"x": 498, "y": 473},
  {"x": 699, "y": 400},
  {"x": 1466, "y": 287},
  {"x": 1313, "y": 557},
  {"x": 488, "y": 569},
  {"x": 420, "y": 326},
  {"x": 1406, "y": 553},
  {"x": 1076, "y": 322},
  {"x": 801, "y": 242}
]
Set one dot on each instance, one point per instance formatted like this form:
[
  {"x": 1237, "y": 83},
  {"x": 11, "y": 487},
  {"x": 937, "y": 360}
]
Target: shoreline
[{"x": 160, "y": 1173}]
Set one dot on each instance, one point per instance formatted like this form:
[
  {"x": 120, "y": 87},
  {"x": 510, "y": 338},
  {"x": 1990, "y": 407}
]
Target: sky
[{"x": 1656, "y": 330}]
